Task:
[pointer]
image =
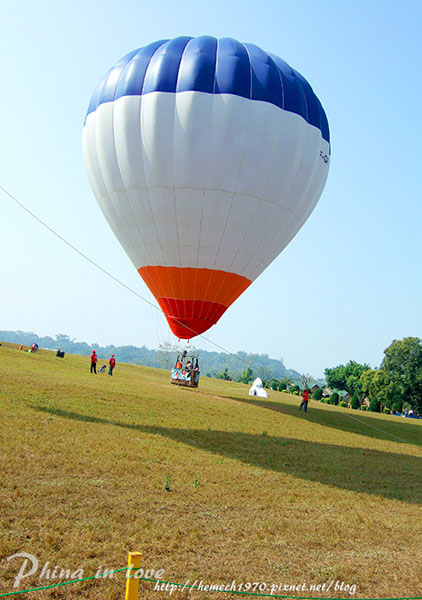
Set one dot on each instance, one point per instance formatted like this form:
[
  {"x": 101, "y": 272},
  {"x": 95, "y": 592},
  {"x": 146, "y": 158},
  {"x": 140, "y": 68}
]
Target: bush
[
  {"x": 282, "y": 387},
  {"x": 327, "y": 400},
  {"x": 343, "y": 404},
  {"x": 355, "y": 403},
  {"x": 334, "y": 398},
  {"x": 295, "y": 392},
  {"x": 317, "y": 395},
  {"x": 364, "y": 407},
  {"x": 386, "y": 411},
  {"x": 374, "y": 405}
]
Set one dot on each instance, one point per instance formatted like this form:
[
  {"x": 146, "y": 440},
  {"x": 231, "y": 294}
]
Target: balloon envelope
[{"x": 206, "y": 157}]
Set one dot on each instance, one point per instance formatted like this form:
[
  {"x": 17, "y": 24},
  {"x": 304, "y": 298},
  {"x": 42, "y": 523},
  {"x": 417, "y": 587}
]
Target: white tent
[{"x": 257, "y": 389}]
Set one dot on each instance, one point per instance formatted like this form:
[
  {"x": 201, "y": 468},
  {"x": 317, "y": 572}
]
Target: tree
[
  {"x": 63, "y": 339},
  {"x": 166, "y": 353},
  {"x": 346, "y": 377},
  {"x": 379, "y": 388},
  {"x": 274, "y": 384},
  {"x": 306, "y": 380},
  {"x": 366, "y": 380},
  {"x": 398, "y": 405},
  {"x": 374, "y": 405},
  {"x": 403, "y": 362},
  {"x": 284, "y": 382},
  {"x": 355, "y": 402},
  {"x": 247, "y": 376},
  {"x": 265, "y": 373},
  {"x": 225, "y": 375}
]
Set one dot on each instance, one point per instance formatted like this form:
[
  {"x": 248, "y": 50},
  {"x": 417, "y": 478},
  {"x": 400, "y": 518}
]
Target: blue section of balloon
[{"x": 205, "y": 64}]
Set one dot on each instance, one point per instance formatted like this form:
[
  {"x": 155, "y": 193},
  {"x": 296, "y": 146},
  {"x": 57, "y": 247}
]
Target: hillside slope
[
  {"x": 211, "y": 362},
  {"x": 258, "y": 492}
]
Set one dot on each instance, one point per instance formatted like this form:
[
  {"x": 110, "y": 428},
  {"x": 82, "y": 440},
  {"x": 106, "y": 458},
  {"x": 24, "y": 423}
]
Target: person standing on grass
[
  {"x": 112, "y": 364},
  {"x": 305, "y": 400},
  {"x": 94, "y": 362}
]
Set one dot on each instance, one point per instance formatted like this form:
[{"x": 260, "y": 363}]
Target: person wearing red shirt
[
  {"x": 305, "y": 400},
  {"x": 94, "y": 362},
  {"x": 112, "y": 364}
]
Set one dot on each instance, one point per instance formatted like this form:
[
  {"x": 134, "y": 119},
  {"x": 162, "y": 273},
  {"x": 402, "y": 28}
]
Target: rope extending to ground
[
  {"x": 191, "y": 587},
  {"x": 46, "y": 587},
  {"x": 110, "y": 275}
]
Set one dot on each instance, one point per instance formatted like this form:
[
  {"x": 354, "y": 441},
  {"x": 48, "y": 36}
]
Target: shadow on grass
[
  {"x": 383, "y": 474},
  {"x": 352, "y": 421}
]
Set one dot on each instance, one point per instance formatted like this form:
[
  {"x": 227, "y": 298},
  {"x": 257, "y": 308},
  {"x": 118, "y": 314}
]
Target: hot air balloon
[{"x": 206, "y": 157}]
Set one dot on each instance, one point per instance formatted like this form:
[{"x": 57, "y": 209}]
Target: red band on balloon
[
  {"x": 188, "y": 318},
  {"x": 193, "y": 299}
]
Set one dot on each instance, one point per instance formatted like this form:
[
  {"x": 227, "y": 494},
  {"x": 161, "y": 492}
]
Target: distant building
[
  {"x": 294, "y": 383},
  {"x": 345, "y": 396}
]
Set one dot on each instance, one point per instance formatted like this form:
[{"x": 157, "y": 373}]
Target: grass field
[{"x": 259, "y": 492}]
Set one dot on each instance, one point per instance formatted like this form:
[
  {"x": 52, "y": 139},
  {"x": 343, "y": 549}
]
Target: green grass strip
[{"x": 194, "y": 587}]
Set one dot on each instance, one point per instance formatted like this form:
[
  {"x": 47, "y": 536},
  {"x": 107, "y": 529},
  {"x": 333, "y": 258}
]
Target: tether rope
[
  {"x": 46, "y": 587},
  {"x": 115, "y": 279},
  {"x": 193, "y": 587}
]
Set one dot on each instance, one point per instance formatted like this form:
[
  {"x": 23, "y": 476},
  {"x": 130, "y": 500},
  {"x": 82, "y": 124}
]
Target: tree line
[
  {"x": 212, "y": 364},
  {"x": 393, "y": 387},
  {"x": 280, "y": 385}
]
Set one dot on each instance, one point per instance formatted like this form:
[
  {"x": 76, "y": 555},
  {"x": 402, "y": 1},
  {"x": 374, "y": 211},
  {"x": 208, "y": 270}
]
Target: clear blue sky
[{"x": 351, "y": 280}]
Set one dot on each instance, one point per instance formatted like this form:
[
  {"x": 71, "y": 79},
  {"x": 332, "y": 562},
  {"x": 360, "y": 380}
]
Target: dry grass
[{"x": 259, "y": 491}]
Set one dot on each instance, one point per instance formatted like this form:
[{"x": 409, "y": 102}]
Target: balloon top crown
[{"x": 212, "y": 66}]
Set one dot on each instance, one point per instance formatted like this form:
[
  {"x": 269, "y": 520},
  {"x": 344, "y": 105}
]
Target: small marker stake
[{"x": 132, "y": 584}]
